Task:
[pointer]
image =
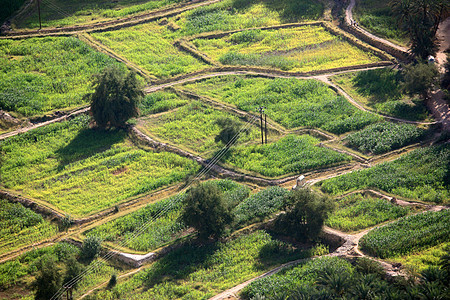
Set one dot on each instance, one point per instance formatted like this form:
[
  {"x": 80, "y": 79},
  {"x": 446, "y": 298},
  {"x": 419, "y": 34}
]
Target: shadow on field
[
  {"x": 87, "y": 143},
  {"x": 180, "y": 263},
  {"x": 290, "y": 10}
]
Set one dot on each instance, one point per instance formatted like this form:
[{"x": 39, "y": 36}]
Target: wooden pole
[
  {"x": 265, "y": 121},
  {"x": 39, "y": 13},
  {"x": 262, "y": 134}
]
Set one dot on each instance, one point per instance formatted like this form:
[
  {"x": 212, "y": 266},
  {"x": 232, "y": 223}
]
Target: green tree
[
  {"x": 205, "y": 210},
  {"x": 305, "y": 214},
  {"x": 230, "y": 128},
  {"x": 48, "y": 279},
  {"x": 421, "y": 18},
  {"x": 116, "y": 97},
  {"x": 419, "y": 79},
  {"x": 73, "y": 269},
  {"x": 91, "y": 247}
]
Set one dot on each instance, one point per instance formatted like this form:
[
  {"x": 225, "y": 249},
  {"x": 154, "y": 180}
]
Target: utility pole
[
  {"x": 265, "y": 125},
  {"x": 39, "y": 13},
  {"x": 261, "y": 111}
]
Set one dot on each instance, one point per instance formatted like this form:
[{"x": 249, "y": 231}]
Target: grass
[
  {"x": 420, "y": 260},
  {"x": 58, "y": 13},
  {"x": 292, "y": 103},
  {"x": 21, "y": 226},
  {"x": 384, "y": 137},
  {"x": 193, "y": 126},
  {"x": 158, "y": 102},
  {"x": 151, "y": 47},
  {"x": 408, "y": 235},
  {"x": 40, "y": 75},
  {"x": 81, "y": 171},
  {"x": 357, "y": 212},
  {"x": 299, "y": 49},
  {"x": 290, "y": 155},
  {"x": 166, "y": 228},
  {"x": 421, "y": 175},
  {"x": 379, "y": 18},
  {"x": 202, "y": 271},
  {"x": 381, "y": 91}
]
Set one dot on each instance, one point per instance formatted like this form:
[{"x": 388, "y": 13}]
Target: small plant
[
  {"x": 112, "y": 282},
  {"x": 65, "y": 223}
]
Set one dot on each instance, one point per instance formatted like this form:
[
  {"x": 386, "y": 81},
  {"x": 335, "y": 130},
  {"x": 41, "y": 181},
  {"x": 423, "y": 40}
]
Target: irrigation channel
[{"x": 349, "y": 247}]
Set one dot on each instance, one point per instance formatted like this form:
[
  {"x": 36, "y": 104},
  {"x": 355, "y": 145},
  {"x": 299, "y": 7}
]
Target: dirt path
[
  {"x": 443, "y": 35},
  {"x": 349, "y": 18}
]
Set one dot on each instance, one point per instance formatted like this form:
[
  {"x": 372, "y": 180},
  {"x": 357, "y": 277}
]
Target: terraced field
[
  {"x": 81, "y": 171},
  {"x": 300, "y": 49}
]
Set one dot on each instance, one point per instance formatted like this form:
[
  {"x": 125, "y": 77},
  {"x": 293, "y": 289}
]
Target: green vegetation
[
  {"x": 382, "y": 91},
  {"x": 8, "y": 8},
  {"x": 81, "y": 171},
  {"x": 193, "y": 126},
  {"x": 291, "y": 154},
  {"x": 290, "y": 102},
  {"x": 21, "y": 226},
  {"x": 160, "y": 102},
  {"x": 378, "y": 17},
  {"x": 162, "y": 59},
  {"x": 408, "y": 235},
  {"x": 40, "y": 75},
  {"x": 300, "y": 49},
  {"x": 418, "y": 261},
  {"x": 260, "y": 205},
  {"x": 421, "y": 174},
  {"x": 164, "y": 229},
  {"x": 384, "y": 137},
  {"x": 57, "y": 13},
  {"x": 201, "y": 271},
  {"x": 357, "y": 212}
]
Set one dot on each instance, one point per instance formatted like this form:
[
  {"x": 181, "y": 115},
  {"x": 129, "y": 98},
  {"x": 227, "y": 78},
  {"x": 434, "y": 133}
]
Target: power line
[{"x": 163, "y": 210}]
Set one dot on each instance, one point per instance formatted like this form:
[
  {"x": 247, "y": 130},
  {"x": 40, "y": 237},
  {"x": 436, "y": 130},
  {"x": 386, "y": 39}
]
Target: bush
[{"x": 91, "y": 247}]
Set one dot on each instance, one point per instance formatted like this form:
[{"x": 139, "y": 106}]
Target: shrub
[{"x": 91, "y": 247}]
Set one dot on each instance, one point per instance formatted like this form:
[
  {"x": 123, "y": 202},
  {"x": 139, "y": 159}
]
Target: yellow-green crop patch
[
  {"x": 39, "y": 75},
  {"x": 290, "y": 102},
  {"x": 81, "y": 171},
  {"x": 150, "y": 46},
  {"x": 290, "y": 155},
  {"x": 299, "y": 49},
  {"x": 193, "y": 126}
]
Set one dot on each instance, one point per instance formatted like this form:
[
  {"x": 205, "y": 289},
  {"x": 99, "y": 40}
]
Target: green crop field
[
  {"x": 158, "y": 102},
  {"x": 300, "y": 49},
  {"x": 193, "y": 126},
  {"x": 57, "y": 13},
  {"x": 409, "y": 234},
  {"x": 381, "y": 91},
  {"x": 151, "y": 47},
  {"x": 419, "y": 260},
  {"x": 20, "y": 226},
  {"x": 292, "y": 103},
  {"x": 201, "y": 271},
  {"x": 384, "y": 137},
  {"x": 290, "y": 155},
  {"x": 378, "y": 18},
  {"x": 80, "y": 171},
  {"x": 357, "y": 212},
  {"x": 421, "y": 175},
  {"x": 40, "y": 75},
  {"x": 164, "y": 229}
]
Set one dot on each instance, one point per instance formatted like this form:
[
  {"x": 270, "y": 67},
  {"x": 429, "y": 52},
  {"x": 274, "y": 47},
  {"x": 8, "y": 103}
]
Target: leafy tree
[
  {"x": 420, "y": 79},
  {"x": 230, "y": 128},
  {"x": 73, "y": 269},
  {"x": 421, "y": 18},
  {"x": 305, "y": 214},
  {"x": 205, "y": 210},
  {"x": 48, "y": 279},
  {"x": 116, "y": 97},
  {"x": 91, "y": 247},
  {"x": 112, "y": 281}
]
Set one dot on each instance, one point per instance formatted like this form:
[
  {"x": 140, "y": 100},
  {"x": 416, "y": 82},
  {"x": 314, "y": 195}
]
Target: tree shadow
[
  {"x": 180, "y": 263},
  {"x": 379, "y": 85},
  {"x": 87, "y": 143}
]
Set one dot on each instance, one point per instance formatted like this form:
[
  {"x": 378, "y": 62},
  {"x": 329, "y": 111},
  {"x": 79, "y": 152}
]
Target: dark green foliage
[
  {"x": 384, "y": 137},
  {"x": 91, "y": 247},
  {"x": 305, "y": 214},
  {"x": 48, "y": 279},
  {"x": 408, "y": 234},
  {"x": 247, "y": 36},
  {"x": 260, "y": 205},
  {"x": 230, "y": 129},
  {"x": 65, "y": 223},
  {"x": 112, "y": 282},
  {"x": 205, "y": 210},
  {"x": 8, "y": 8},
  {"x": 116, "y": 98},
  {"x": 421, "y": 174},
  {"x": 367, "y": 266},
  {"x": 381, "y": 84},
  {"x": 420, "y": 79},
  {"x": 73, "y": 269}
]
